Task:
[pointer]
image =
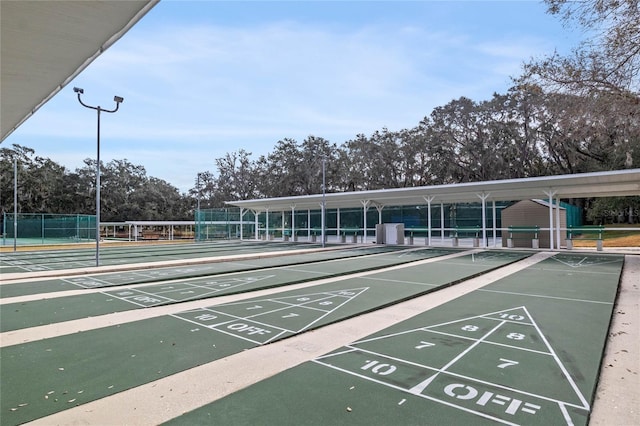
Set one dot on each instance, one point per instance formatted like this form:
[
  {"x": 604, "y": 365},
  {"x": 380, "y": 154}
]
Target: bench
[
  {"x": 466, "y": 231},
  {"x": 518, "y": 233},
  {"x": 415, "y": 231},
  {"x": 150, "y": 236},
  {"x": 586, "y": 232},
  {"x": 352, "y": 232}
]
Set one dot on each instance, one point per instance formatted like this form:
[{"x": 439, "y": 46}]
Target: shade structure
[
  {"x": 581, "y": 185},
  {"x": 46, "y": 44}
]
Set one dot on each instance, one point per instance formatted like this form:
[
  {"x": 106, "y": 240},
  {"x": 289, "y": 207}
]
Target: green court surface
[
  {"x": 47, "y": 260},
  {"x": 19, "y": 315},
  {"x": 47, "y": 376},
  {"x": 523, "y": 350},
  {"x": 148, "y": 275}
]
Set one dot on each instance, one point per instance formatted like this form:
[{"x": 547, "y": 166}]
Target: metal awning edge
[{"x": 115, "y": 37}]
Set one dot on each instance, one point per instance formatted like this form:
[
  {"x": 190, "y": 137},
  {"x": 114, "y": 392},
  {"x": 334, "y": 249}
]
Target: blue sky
[{"x": 203, "y": 78}]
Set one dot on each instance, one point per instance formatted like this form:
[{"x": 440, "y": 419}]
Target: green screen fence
[
  {"x": 223, "y": 223},
  {"x": 227, "y": 223},
  {"x": 349, "y": 222},
  {"x": 46, "y": 228}
]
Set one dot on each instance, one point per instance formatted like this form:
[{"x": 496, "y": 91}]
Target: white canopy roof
[
  {"x": 584, "y": 185},
  {"x": 46, "y": 44}
]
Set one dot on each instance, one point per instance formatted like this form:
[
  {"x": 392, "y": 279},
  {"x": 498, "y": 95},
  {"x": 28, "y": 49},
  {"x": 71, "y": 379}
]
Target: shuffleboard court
[
  {"x": 523, "y": 350},
  {"x": 14, "y": 316},
  {"x": 39, "y": 261},
  {"x": 148, "y": 275},
  {"x": 51, "y": 375}
]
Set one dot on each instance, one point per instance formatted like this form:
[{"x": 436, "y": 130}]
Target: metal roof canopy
[
  {"x": 584, "y": 185},
  {"x": 46, "y": 44}
]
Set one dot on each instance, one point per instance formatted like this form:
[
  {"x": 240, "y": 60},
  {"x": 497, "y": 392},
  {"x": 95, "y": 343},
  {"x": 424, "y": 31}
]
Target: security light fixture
[{"x": 99, "y": 109}]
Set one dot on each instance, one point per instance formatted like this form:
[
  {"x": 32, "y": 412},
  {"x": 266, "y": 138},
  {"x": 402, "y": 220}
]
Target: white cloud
[{"x": 194, "y": 92}]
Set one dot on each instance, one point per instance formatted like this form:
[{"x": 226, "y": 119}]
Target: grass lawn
[{"x": 614, "y": 238}]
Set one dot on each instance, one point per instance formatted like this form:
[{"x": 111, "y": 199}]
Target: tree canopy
[{"x": 564, "y": 114}]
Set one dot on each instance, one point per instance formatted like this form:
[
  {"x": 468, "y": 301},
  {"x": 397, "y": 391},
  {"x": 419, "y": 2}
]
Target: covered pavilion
[{"x": 583, "y": 185}]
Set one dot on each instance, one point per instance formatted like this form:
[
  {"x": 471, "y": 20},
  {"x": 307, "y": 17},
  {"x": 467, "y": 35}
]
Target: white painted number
[
  {"x": 254, "y": 307},
  {"x": 291, "y": 315},
  {"x": 512, "y": 317},
  {"x": 206, "y": 317},
  {"x": 423, "y": 345},
  {"x": 515, "y": 336},
  {"x": 470, "y": 328},
  {"x": 377, "y": 368},
  {"x": 507, "y": 363}
]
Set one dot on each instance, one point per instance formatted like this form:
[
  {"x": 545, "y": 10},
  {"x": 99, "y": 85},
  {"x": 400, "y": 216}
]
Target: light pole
[
  {"x": 324, "y": 160},
  {"x": 198, "y": 212},
  {"x": 15, "y": 203},
  {"x": 117, "y": 100}
]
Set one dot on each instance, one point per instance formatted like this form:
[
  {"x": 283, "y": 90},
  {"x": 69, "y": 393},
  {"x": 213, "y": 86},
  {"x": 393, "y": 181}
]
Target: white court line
[
  {"x": 461, "y": 376},
  {"x": 399, "y": 281},
  {"x": 417, "y": 389},
  {"x": 246, "y": 338},
  {"x": 575, "y": 271},
  {"x": 335, "y": 354},
  {"x": 579, "y": 264},
  {"x": 79, "y": 283},
  {"x": 430, "y": 398},
  {"x": 291, "y": 305},
  {"x": 372, "y": 339},
  {"x": 428, "y": 328},
  {"x": 402, "y": 360},
  {"x": 235, "y": 317},
  {"x": 470, "y": 318},
  {"x": 210, "y": 290},
  {"x": 127, "y": 299},
  {"x": 508, "y": 320},
  {"x": 305, "y": 271},
  {"x": 214, "y": 328},
  {"x": 546, "y": 297},
  {"x": 26, "y": 267},
  {"x": 442, "y": 370},
  {"x": 490, "y": 343},
  {"x": 566, "y": 415},
  {"x": 241, "y": 369},
  {"x": 560, "y": 364},
  {"x": 362, "y": 290}
]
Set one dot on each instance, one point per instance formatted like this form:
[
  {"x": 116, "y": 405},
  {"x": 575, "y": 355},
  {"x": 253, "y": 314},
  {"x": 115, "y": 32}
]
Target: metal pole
[
  {"x": 117, "y": 100},
  {"x": 98, "y": 193},
  {"x": 198, "y": 212},
  {"x": 323, "y": 200},
  {"x": 15, "y": 204}
]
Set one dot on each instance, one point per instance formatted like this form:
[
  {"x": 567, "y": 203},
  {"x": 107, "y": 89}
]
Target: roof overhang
[
  {"x": 584, "y": 185},
  {"x": 46, "y": 44}
]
